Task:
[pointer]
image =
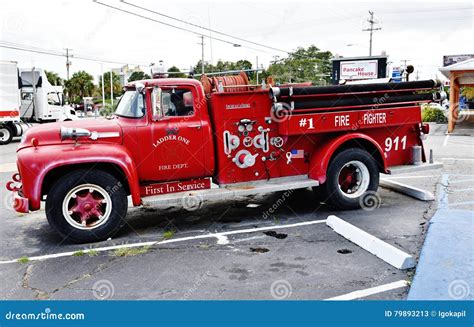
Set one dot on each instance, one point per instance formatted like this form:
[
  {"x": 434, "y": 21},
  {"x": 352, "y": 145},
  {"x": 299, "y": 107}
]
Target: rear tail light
[{"x": 425, "y": 128}]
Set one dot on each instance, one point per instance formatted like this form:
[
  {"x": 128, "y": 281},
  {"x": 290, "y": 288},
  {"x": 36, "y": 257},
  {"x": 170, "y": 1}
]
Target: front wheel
[
  {"x": 351, "y": 174},
  {"x": 87, "y": 206}
]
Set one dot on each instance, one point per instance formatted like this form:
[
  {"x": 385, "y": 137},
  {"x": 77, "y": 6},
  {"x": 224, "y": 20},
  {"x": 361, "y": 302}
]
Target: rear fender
[{"x": 322, "y": 156}]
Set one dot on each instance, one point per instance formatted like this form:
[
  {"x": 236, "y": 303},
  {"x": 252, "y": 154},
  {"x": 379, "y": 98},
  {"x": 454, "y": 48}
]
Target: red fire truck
[{"x": 170, "y": 139}]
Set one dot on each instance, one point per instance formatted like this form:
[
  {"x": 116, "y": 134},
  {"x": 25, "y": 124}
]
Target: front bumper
[{"x": 20, "y": 203}]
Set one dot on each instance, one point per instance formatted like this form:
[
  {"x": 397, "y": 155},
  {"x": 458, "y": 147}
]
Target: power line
[
  {"x": 416, "y": 11},
  {"x": 174, "y": 26},
  {"x": 21, "y": 47},
  {"x": 202, "y": 27}
]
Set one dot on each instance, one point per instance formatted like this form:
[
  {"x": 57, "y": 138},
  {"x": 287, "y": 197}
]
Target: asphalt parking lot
[{"x": 273, "y": 253}]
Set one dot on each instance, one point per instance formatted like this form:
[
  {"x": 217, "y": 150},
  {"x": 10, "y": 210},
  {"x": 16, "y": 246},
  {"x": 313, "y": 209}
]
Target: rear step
[{"x": 230, "y": 191}]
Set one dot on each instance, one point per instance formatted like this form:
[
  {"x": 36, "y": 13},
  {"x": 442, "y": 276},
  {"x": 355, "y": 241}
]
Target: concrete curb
[
  {"x": 414, "y": 192},
  {"x": 376, "y": 246}
]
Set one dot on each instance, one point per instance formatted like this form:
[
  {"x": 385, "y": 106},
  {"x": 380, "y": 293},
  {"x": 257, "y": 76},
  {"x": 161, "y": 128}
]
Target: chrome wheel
[
  {"x": 353, "y": 179},
  {"x": 87, "y": 206}
]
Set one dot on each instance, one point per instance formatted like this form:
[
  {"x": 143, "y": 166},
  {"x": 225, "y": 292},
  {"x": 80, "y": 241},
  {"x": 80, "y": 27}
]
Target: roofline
[{"x": 356, "y": 58}]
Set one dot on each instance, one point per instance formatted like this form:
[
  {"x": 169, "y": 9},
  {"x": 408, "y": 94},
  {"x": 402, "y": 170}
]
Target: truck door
[{"x": 177, "y": 135}]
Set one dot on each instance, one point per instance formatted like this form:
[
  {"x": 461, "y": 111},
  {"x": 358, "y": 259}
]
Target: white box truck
[
  {"x": 40, "y": 101},
  {"x": 26, "y": 96},
  {"x": 10, "y": 86}
]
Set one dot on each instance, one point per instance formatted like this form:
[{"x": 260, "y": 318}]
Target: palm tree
[
  {"x": 80, "y": 85},
  {"x": 53, "y": 78}
]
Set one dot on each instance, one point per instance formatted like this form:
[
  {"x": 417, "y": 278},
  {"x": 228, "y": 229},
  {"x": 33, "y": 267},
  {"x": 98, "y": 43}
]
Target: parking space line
[
  {"x": 461, "y": 203},
  {"x": 461, "y": 181},
  {"x": 408, "y": 177},
  {"x": 459, "y": 159},
  {"x": 221, "y": 238},
  {"x": 369, "y": 291},
  {"x": 463, "y": 190},
  {"x": 446, "y": 139}
]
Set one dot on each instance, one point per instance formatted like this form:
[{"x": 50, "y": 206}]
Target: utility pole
[
  {"x": 371, "y": 30},
  {"x": 111, "y": 89},
  {"x": 405, "y": 62},
  {"x": 103, "y": 86},
  {"x": 68, "y": 63},
  {"x": 202, "y": 54},
  {"x": 256, "y": 66}
]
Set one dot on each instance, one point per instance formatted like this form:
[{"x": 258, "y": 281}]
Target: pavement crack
[
  {"x": 39, "y": 294},
  {"x": 99, "y": 268}
]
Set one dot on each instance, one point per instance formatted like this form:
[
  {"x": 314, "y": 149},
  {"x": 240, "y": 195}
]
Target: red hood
[{"x": 49, "y": 134}]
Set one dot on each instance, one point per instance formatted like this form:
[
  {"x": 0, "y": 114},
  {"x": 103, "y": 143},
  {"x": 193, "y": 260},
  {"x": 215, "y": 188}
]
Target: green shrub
[{"x": 434, "y": 115}]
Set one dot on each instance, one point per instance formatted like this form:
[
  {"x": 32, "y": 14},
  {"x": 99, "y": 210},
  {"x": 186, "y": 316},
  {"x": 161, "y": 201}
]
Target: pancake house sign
[{"x": 360, "y": 69}]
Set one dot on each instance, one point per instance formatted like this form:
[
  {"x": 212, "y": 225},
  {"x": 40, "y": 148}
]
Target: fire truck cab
[{"x": 170, "y": 139}]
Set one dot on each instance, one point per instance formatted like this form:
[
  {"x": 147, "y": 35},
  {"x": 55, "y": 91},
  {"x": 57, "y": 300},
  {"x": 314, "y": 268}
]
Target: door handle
[
  {"x": 198, "y": 126},
  {"x": 172, "y": 130}
]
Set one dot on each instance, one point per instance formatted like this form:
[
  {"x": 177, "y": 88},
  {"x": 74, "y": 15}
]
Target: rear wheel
[
  {"x": 6, "y": 134},
  {"x": 87, "y": 206},
  {"x": 351, "y": 175}
]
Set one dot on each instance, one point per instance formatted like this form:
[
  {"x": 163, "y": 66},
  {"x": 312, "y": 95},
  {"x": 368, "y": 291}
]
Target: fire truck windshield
[{"x": 131, "y": 105}]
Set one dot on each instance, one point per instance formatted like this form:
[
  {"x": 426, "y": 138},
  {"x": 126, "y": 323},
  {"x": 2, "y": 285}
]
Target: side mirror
[
  {"x": 139, "y": 87},
  {"x": 157, "y": 108}
]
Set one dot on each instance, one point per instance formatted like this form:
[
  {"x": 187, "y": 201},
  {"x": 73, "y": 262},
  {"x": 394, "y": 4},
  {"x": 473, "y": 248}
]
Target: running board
[
  {"x": 229, "y": 191},
  {"x": 405, "y": 169}
]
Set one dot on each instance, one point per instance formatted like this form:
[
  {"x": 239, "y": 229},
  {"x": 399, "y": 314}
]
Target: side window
[
  {"x": 178, "y": 103},
  {"x": 53, "y": 99}
]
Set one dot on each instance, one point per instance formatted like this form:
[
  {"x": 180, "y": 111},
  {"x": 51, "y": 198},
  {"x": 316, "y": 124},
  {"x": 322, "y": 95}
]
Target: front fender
[
  {"x": 35, "y": 163},
  {"x": 321, "y": 157}
]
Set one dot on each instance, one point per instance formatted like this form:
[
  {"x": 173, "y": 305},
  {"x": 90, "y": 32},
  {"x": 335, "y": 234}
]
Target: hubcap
[
  {"x": 353, "y": 179},
  {"x": 87, "y": 206},
  {"x": 4, "y": 134}
]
